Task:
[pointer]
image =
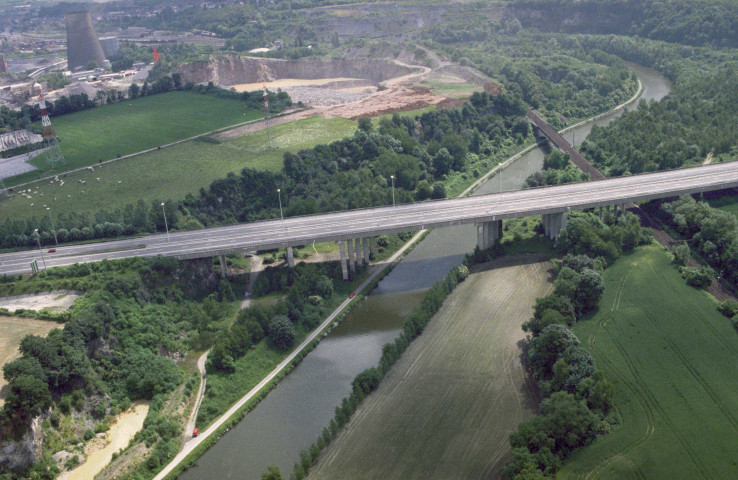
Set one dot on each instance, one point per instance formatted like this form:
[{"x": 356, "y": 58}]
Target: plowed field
[{"x": 445, "y": 410}]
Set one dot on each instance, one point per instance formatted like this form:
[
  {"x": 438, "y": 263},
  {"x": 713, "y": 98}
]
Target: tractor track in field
[
  {"x": 707, "y": 324},
  {"x": 648, "y": 411},
  {"x": 655, "y": 404}
]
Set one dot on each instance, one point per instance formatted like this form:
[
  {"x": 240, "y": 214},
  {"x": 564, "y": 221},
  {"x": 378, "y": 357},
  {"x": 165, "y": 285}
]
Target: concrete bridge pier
[
  {"x": 553, "y": 223},
  {"x": 365, "y": 243},
  {"x": 344, "y": 268},
  {"x": 488, "y": 233},
  {"x": 290, "y": 258},
  {"x": 222, "y": 260},
  {"x": 359, "y": 252},
  {"x": 352, "y": 262}
]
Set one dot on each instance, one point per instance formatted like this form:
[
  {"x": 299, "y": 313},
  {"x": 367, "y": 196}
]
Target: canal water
[{"x": 292, "y": 416}]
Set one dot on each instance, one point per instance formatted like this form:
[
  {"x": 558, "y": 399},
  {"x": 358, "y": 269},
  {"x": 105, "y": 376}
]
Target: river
[{"x": 292, "y": 416}]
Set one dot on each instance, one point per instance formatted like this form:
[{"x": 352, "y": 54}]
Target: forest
[{"x": 689, "y": 22}]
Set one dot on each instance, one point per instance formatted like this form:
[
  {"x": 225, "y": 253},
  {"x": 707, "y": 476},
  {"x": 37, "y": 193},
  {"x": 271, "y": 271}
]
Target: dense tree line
[
  {"x": 357, "y": 171},
  {"x": 557, "y": 170},
  {"x": 552, "y": 74},
  {"x": 696, "y": 119},
  {"x": 576, "y": 397},
  {"x": 117, "y": 346},
  {"x": 691, "y": 22},
  {"x": 711, "y": 232}
]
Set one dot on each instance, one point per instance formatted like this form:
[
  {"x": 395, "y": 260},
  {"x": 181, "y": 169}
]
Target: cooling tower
[{"x": 82, "y": 43}]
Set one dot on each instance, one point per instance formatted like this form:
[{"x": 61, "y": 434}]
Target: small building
[{"x": 139, "y": 65}]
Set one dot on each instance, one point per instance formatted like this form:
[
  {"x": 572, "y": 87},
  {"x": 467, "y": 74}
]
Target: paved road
[{"x": 382, "y": 220}]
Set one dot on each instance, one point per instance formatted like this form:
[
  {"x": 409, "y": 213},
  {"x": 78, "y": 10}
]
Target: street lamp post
[
  {"x": 48, "y": 209},
  {"x": 393, "y": 190},
  {"x": 279, "y": 197},
  {"x": 38, "y": 240},
  {"x": 166, "y": 225}
]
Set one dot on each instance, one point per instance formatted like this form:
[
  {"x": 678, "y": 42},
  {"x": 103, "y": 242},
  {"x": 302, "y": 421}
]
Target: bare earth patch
[
  {"x": 56, "y": 301},
  {"x": 446, "y": 409}
]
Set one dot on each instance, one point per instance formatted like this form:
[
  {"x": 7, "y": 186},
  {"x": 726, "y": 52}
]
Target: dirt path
[
  {"x": 708, "y": 159},
  {"x": 255, "y": 268},
  {"x": 446, "y": 409}
]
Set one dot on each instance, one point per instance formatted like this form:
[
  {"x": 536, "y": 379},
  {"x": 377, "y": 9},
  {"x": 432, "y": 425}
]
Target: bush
[
  {"x": 282, "y": 333},
  {"x": 729, "y": 308}
]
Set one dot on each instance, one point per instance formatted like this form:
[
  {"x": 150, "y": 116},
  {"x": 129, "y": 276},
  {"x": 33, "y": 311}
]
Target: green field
[
  {"x": 674, "y": 359},
  {"x": 446, "y": 408},
  {"x": 726, "y": 204},
  {"x": 172, "y": 173},
  {"x": 104, "y": 132}
]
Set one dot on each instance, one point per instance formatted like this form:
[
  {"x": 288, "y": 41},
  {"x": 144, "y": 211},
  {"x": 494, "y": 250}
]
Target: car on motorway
[{"x": 51, "y": 250}]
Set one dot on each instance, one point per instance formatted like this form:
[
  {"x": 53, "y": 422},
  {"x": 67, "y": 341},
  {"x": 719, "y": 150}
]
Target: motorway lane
[{"x": 375, "y": 221}]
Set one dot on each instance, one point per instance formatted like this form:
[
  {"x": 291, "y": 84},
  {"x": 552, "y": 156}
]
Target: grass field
[
  {"x": 445, "y": 410},
  {"x": 104, "y": 132},
  {"x": 14, "y": 329},
  {"x": 675, "y": 361},
  {"x": 173, "y": 172},
  {"x": 727, "y": 204}
]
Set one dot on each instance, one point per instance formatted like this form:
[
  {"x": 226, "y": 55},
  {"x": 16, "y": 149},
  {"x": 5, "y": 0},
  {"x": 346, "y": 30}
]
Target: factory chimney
[{"x": 83, "y": 45}]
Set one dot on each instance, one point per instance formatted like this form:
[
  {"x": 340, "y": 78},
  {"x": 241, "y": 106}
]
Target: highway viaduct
[{"x": 354, "y": 229}]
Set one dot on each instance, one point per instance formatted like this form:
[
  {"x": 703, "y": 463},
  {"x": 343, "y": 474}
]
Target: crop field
[
  {"x": 14, "y": 329},
  {"x": 172, "y": 173},
  {"x": 121, "y": 128},
  {"x": 446, "y": 409},
  {"x": 674, "y": 359}
]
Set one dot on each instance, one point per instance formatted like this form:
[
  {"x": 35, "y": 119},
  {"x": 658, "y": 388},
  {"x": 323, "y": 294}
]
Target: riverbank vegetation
[
  {"x": 669, "y": 352},
  {"x": 710, "y": 232}
]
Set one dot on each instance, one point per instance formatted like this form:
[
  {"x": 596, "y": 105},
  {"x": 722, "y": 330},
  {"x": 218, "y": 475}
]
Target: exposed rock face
[
  {"x": 19, "y": 454},
  {"x": 228, "y": 70}
]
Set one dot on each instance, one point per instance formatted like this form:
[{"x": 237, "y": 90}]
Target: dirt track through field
[{"x": 446, "y": 409}]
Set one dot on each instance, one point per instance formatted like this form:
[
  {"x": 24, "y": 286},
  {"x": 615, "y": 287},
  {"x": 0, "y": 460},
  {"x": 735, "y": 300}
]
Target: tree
[
  {"x": 324, "y": 286},
  {"x": 281, "y": 332},
  {"x": 588, "y": 294},
  {"x": 272, "y": 473},
  {"x": 439, "y": 191},
  {"x": 91, "y": 65},
  {"x": 365, "y": 124},
  {"x": 442, "y": 162},
  {"x": 133, "y": 90},
  {"x": 682, "y": 254},
  {"x": 423, "y": 191},
  {"x": 29, "y": 395}
]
